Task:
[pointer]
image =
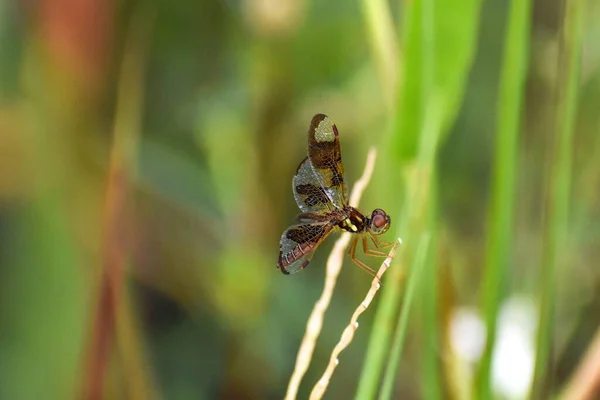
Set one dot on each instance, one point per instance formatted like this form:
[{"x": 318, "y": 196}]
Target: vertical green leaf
[
  {"x": 455, "y": 39},
  {"x": 431, "y": 382},
  {"x": 501, "y": 209},
  {"x": 411, "y": 286},
  {"x": 438, "y": 49},
  {"x": 559, "y": 187},
  {"x": 383, "y": 44}
]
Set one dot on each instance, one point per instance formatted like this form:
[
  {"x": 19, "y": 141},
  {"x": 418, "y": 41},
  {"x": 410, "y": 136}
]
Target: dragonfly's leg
[
  {"x": 370, "y": 252},
  {"x": 361, "y": 264},
  {"x": 381, "y": 244},
  {"x": 352, "y": 247}
]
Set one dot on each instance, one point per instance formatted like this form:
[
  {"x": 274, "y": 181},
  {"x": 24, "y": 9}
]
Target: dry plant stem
[
  {"x": 334, "y": 265},
  {"x": 116, "y": 218},
  {"x": 585, "y": 383},
  {"x": 348, "y": 334}
]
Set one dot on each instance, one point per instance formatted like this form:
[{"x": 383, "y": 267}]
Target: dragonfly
[{"x": 321, "y": 194}]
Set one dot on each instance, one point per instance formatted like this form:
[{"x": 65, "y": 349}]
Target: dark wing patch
[
  {"x": 308, "y": 190},
  {"x": 314, "y": 195},
  {"x": 298, "y": 244},
  {"x": 326, "y": 158}
]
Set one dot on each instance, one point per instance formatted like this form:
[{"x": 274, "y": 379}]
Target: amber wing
[
  {"x": 298, "y": 244},
  {"x": 326, "y": 158}
]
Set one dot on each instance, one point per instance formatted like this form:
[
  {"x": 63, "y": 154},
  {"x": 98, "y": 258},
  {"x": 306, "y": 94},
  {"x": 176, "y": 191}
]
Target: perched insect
[{"x": 321, "y": 194}]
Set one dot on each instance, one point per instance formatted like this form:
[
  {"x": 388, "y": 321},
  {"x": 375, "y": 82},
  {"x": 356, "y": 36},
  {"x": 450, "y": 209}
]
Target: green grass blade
[
  {"x": 421, "y": 205},
  {"x": 501, "y": 209},
  {"x": 390, "y": 298},
  {"x": 385, "y": 316},
  {"x": 382, "y": 331},
  {"x": 383, "y": 45},
  {"x": 429, "y": 96},
  {"x": 412, "y": 284},
  {"x": 431, "y": 383},
  {"x": 559, "y": 187},
  {"x": 455, "y": 36}
]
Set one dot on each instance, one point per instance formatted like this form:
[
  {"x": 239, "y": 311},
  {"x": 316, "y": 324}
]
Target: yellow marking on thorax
[{"x": 350, "y": 225}]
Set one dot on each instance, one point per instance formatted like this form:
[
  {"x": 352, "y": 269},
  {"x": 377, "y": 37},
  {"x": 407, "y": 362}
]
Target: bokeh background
[{"x": 146, "y": 157}]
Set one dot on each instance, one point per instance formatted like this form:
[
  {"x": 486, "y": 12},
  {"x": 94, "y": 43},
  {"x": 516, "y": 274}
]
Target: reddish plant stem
[{"x": 111, "y": 282}]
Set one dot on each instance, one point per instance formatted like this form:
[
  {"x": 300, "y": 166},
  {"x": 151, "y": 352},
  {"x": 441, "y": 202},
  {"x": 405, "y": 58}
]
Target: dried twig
[
  {"x": 348, "y": 334},
  {"x": 585, "y": 383},
  {"x": 334, "y": 265},
  {"x": 109, "y": 309}
]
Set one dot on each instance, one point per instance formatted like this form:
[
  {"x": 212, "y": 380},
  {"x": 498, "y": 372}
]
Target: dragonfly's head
[{"x": 379, "y": 222}]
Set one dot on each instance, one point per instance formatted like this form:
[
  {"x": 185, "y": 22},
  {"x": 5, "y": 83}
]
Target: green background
[{"x": 147, "y": 151}]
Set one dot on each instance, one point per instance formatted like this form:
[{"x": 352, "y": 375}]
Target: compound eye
[
  {"x": 380, "y": 222},
  {"x": 378, "y": 211}
]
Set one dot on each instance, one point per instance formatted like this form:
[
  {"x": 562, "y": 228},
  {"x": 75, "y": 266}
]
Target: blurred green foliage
[{"x": 211, "y": 101}]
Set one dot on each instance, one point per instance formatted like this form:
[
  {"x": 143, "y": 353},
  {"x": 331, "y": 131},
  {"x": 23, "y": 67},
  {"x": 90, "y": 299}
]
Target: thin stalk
[
  {"x": 431, "y": 385},
  {"x": 417, "y": 209},
  {"x": 501, "y": 208},
  {"x": 348, "y": 334},
  {"x": 413, "y": 281},
  {"x": 559, "y": 187},
  {"x": 382, "y": 37},
  {"x": 428, "y": 96},
  {"x": 115, "y": 250}
]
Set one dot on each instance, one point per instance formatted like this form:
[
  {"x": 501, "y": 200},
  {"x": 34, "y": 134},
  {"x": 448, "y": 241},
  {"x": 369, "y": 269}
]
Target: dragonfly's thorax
[{"x": 352, "y": 220}]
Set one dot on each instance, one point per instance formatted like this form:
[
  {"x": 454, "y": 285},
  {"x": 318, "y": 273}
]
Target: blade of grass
[
  {"x": 453, "y": 44},
  {"x": 420, "y": 217},
  {"x": 383, "y": 45},
  {"x": 501, "y": 208},
  {"x": 413, "y": 281},
  {"x": 559, "y": 185},
  {"x": 385, "y": 315},
  {"x": 418, "y": 206},
  {"x": 382, "y": 330},
  {"x": 431, "y": 384}
]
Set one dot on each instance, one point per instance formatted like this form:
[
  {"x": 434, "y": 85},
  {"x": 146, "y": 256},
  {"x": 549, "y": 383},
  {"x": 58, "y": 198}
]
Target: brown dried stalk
[
  {"x": 334, "y": 265},
  {"x": 585, "y": 384},
  {"x": 348, "y": 334},
  {"x": 109, "y": 310}
]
